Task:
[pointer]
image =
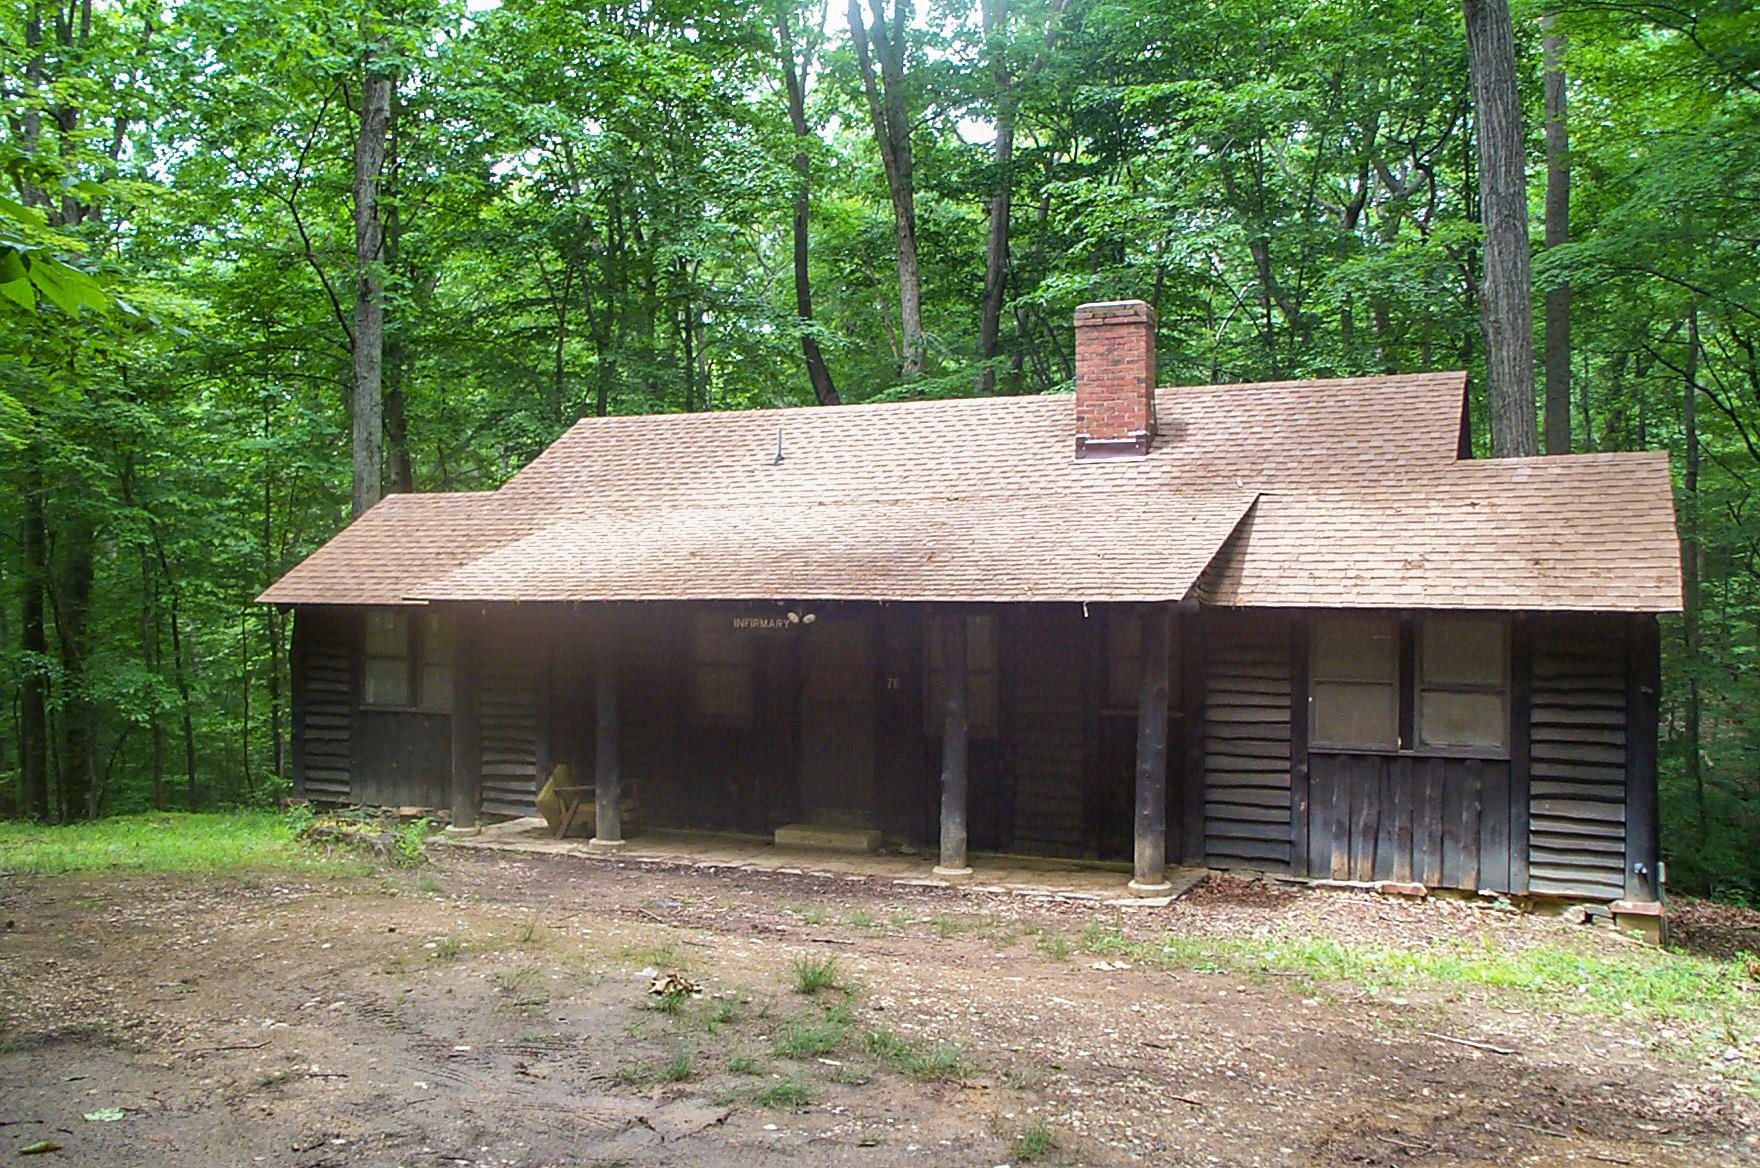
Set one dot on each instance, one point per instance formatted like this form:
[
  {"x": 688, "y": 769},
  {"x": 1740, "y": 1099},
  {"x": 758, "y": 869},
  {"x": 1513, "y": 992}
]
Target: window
[
  {"x": 408, "y": 660},
  {"x": 385, "y": 680},
  {"x": 981, "y": 700},
  {"x": 1124, "y": 656},
  {"x": 1353, "y": 677},
  {"x": 1432, "y": 683},
  {"x": 1463, "y": 686},
  {"x": 721, "y": 677}
]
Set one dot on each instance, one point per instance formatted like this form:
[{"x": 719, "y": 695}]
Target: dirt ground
[{"x": 494, "y": 1010}]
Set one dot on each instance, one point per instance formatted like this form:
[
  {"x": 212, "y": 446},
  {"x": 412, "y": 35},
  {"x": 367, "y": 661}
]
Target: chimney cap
[{"x": 1114, "y": 311}]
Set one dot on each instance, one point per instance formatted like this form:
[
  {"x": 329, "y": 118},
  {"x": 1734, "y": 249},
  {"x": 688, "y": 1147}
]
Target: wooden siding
[
  {"x": 324, "y": 647},
  {"x": 401, "y": 758},
  {"x": 1577, "y": 774},
  {"x": 1444, "y": 822},
  {"x": 515, "y": 671},
  {"x": 1247, "y": 748},
  {"x": 1044, "y": 661}
]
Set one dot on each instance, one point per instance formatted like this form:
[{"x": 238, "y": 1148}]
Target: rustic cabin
[{"x": 1292, "y": 628}]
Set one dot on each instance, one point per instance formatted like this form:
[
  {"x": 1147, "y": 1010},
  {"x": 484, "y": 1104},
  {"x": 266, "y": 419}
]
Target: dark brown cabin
[{"x": 1282, "y": 627}]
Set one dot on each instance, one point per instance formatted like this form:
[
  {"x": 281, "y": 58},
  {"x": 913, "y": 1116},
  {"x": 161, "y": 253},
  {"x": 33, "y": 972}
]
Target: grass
[
  {"x": 680, "y": 1068},
  {"x": 173, "y": 841},
  {"x": 786, "y": 1093},
  {"x": 907, "y": 1057},
  {"x": 813, "y": 1037},
  {"x": 813, "y": 974},
  {"x": 1034, "y": 1142},
  {"x": 745, "y": 1064}
]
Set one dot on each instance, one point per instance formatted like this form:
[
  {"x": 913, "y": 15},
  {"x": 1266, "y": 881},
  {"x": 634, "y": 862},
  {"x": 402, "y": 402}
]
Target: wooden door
[{"x": 838, "y": 722}]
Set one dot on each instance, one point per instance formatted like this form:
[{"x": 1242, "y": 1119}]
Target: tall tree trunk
[
  {"x": 33, "y": 714},
  {"x": 368, "y": 347},
  {"x": 884, "y": 42},
  {"x": 1505, "y": 289},
  {"x": 1558, "y": 212},
  {"x": 398, "y": 471},
  {"x": 73, "y": 606},
  {"x": 1690, "y": 571},
  {"x": 794, "y": 77},
  {"x": 1001, "y": 196}
]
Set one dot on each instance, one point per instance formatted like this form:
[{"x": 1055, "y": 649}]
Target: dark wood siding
[
  {"x": 401, "y": 758},
  {"x": 1444, "y": 822},
  {"x": 324, "y": 652},
  {"x": 1577, "y": 774},
  {"x": 515, "y": 670},
  {"x": 1044, "y": 660},
  {"x": 1247, "y": 740}
]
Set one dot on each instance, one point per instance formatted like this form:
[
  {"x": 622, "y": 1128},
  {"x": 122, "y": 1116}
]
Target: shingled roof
[{"x": 1343, "y": 493}]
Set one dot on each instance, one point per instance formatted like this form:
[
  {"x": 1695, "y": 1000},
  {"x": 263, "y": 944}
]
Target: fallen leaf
[
  {"x": 105, "y": 1115},
  {"x": 38, "y": 1148}
]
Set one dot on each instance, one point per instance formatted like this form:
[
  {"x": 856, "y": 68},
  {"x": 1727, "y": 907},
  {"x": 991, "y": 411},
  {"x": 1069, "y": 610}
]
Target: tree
[
  {"x": 795, "y": 72},
  {"x": 367, "y": 336},
  {"x": 1558, "y": 233},
  {"x": 1505, "y": 307}
]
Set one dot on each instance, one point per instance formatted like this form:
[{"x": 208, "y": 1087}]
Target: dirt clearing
[{"x": 497, "y": 1010}]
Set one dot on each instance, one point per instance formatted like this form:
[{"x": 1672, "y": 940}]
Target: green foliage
[
  {"x": 1033, "y": 1142},
  {"x": 784, "y": 1093},
  {"x": 911, "y": 1058},
  {"x": 814, "y": 1035},
  {"x": 813, "y": 974},
  {"x": 163, "y": 842}
]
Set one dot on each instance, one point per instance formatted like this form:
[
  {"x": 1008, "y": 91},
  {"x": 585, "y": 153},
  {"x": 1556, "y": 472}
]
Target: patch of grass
[
  {"x": 681, "y": 1067},
  {"x": 900, "y": 919},
  {"x": 810, "y": 914},
  {"x": 1054, "y": 945},
  {"x": 409, "y": 850},
  {"x": 278, "y": 1078},
  {"x": 813, "y": 974},
  {"x": 672, "y": 1004},
  {"x": 1033, "y": 1142},
  {"x": 861, "y": 919},
  {"x": 946, "y": 926},
  {"x": 429, "y": 883},
  {"x": 813, "y": 1037},
  {"x": 446, "y": 949},
  {"x": 723, "y": 1012},
  {"x": 233, "y": 841},
  {"x": 785, "y": 1093},
  {"x": 745, "y": 1064},
  {"x": 659, "y": 955},
  {"x": 909, "y": 1058}
]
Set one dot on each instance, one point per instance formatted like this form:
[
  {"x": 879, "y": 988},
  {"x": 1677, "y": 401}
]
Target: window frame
[
  {"x": 1315, "y": 678},
  {"x": 1410, "y": 684},
  {"x": 710, "y": 626},
  {"x": 420, "y": 629}
]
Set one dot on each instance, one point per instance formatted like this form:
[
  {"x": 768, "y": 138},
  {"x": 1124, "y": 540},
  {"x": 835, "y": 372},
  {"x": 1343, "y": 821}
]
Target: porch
[{"x": 1032, "y": 876}]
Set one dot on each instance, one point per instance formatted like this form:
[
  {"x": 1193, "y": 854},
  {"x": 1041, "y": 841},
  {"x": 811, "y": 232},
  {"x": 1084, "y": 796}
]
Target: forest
[{"x": 263, "y": 260}]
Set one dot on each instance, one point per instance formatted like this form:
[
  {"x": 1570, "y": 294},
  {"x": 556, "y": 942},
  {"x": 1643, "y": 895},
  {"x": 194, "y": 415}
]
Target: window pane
[
  {"x": 437, "y": 684},
  {"x": 387, "y": 633},
  {"x": 385, "y": 681},
  {"x": 1461, "y": 719},
  {"x": 1355, "y": 714},
  {"x": 1355, "y": 648},
  {"x": 1462, "y": 651}
]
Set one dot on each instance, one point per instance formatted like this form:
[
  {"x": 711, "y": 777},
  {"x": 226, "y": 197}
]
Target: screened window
[
  {"x": 408, "y": 660},
  {"x": 981, "y": 686},
  {"x": 1463, "y": 683},
  {"x": 1353, "y": 675},
  {"x": 386, "y": 674},
  {"x": 721, "y": 677}
]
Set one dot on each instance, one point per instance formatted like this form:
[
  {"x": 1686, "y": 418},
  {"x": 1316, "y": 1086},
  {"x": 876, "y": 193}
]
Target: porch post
[
  {"x": 467, "y": 753},
  {"x": 607, "y": 764},
  {"x": 1149, "y": 874},
  {"x": 955, "y": 734}
]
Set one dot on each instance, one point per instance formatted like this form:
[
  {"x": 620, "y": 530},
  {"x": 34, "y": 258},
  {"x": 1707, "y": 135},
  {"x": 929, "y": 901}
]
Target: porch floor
[{"x": 992, "y": 872}]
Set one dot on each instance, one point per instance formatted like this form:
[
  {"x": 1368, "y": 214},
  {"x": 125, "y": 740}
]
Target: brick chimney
[{"x": 1115, "y": 379}]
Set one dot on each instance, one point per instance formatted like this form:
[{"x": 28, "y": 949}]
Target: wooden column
[
  {"x": 607, "y": 760},
  {"x": 1643, "y": 689},
  {"x": 296, "y": 671},
  {"x": 467, "y": 750},
  {"x": 955, "y": 739},
  {"x": 1150, "y": 869}
]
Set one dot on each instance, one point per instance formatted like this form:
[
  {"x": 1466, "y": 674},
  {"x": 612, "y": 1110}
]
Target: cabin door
[{"x": 837, "y": 722}]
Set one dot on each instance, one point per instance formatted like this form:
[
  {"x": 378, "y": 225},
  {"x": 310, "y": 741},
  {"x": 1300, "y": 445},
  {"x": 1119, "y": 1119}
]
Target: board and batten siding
[
  {"x": 515, "y": 673},
  {"x": 1247, "y": 748},
  {"x": 1043, "y": 669},
  {"x": 323, "y": 692},
  {"x": 1577, "y": 782}
]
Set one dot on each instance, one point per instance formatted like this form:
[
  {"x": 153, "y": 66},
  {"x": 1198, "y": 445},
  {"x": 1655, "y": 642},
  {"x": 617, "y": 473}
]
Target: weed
[
  {"x": 410, "y": 848},
  {"x": 678, "y": 1068},
  {"x": 671, "y": 1004},
  {"x": 528, "y": 932},
  {"x": 659, "y": 955},
  {"x": 274, "y": 1078},
  {"x": 446, "y": 948},
  {"x": 1034, "y": 1142},
  {"x": 1054, "y": 945},
  {"x": 946, "y": 925},
  {"x": 745, "y": 1064},
  {"x": 725, "y": 1012},
  {"x": 812, "y": 974},
  {"x": 810, "y": 914},
  {"x": 786, "y": 1093},
  {"x": 860, "y": 919},
  {"x": 814, "y": 1037},
  {"x": 907, "y": 1057},
  {"x": 429, "y": 883}
]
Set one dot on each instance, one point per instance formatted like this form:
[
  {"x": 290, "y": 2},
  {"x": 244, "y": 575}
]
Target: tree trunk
[
  {"x": 794, "y": 77},
  {"x": 892, "y": 134},
  {"x": 33, "y": 714},
  {"x": 1001, "y": 197},
  {"x": 398, "y": 471},
  {"x": 368, "y": 347},
  {"x": 1558, "y": 209},
  {"x": 1505, "y": 289},
  {"x": 1690, "y": 565},
  {"x": 73, "y": 607}
]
